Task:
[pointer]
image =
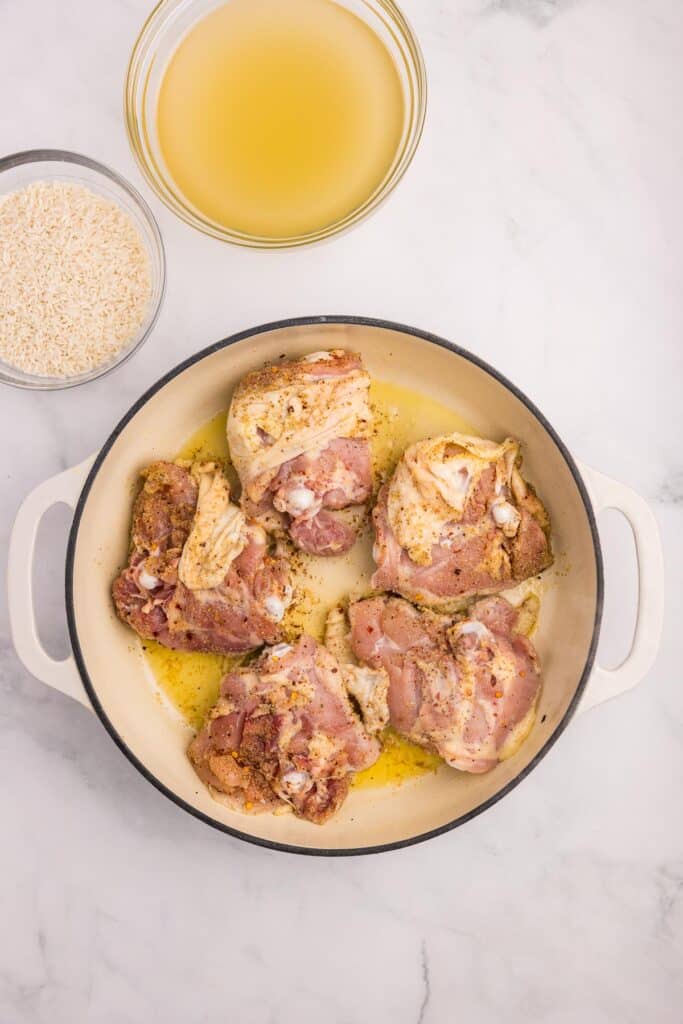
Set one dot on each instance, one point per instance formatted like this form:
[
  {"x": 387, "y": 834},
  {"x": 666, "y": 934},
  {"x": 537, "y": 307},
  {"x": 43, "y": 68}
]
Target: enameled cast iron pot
[{"x": 107, "y": 671}]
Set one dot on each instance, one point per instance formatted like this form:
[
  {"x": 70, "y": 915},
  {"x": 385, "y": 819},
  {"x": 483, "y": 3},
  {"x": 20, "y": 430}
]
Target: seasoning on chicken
[
  {"x": 368, "y": 686},
  {"x": 199, "y": 576},
  {"x": 299, "y": 439},
  {"x": 457, "y": 519},
  {"x": 464, "y": 688},
  {"x": 284, "y": 732}
]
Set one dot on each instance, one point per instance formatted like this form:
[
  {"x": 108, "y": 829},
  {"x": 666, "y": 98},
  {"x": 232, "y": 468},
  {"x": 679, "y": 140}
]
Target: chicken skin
[
  {"x": 284, "y": 733},
  {"x": 299, "y": 439},
  {"x": 200, "y": 577},
  {"x": 465, "y": 688},
  {"x": 457, "y": 520}
]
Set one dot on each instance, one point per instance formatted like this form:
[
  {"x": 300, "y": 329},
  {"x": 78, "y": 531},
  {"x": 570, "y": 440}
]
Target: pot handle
[
  {"x": 607, "y": 683},
  {"x": 61, "y": 675}
]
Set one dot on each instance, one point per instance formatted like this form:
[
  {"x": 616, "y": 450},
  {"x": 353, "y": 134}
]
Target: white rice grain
[{"x": 75, "y": 280}]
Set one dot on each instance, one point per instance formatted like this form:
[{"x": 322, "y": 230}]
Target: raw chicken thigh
[
  {"x": 284, "y": 732},
  {"x": 199, "y": 576},
  {"x": 465, "y": 688},
  {"x": 456, "y": 520},
  {"x": 299, "y": 439}
]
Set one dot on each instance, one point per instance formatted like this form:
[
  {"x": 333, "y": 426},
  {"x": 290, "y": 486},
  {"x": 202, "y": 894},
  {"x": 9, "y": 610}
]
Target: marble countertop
[{"x": 541, "y": 226}]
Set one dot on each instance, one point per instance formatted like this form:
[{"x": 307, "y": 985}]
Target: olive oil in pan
[
  {"x": 400, "y": 760},
  {"x": 190, "y": 680},
  {"x": 278, "y": 119},
  {"x": 210, "y": 442}
]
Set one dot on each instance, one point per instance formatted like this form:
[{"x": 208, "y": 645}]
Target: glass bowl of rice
[{"x": 82, "y": 270}]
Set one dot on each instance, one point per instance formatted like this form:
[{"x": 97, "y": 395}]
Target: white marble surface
[{"x": 541, "y": 225}]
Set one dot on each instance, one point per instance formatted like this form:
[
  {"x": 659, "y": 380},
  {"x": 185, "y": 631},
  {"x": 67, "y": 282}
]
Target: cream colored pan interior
[{"x": 119, "y": 681}]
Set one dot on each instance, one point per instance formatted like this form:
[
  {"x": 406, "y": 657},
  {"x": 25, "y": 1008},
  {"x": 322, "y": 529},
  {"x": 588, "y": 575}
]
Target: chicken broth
[
  {"x": 280, "y": 119},
  {"x": 190, "y": 680}
]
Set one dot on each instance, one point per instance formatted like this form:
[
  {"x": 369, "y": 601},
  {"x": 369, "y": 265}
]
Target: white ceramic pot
[{"x": 107, "y": 670}]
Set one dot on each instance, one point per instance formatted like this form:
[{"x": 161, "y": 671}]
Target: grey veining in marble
[{"x": 541, "y": 225}]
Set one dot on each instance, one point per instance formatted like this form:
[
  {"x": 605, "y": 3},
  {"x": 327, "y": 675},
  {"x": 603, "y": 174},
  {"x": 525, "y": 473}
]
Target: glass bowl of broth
[{"x": 272, "y": 124}]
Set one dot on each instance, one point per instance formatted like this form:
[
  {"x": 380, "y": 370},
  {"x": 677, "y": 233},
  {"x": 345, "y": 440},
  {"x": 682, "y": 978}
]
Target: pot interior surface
[{"x": 111, "y": 656}]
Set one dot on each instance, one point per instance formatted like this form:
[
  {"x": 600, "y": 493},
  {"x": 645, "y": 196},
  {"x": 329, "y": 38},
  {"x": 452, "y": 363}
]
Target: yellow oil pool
[
  {"x": 400, "y": 760},
  {"x": 190, "y": 680}
]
